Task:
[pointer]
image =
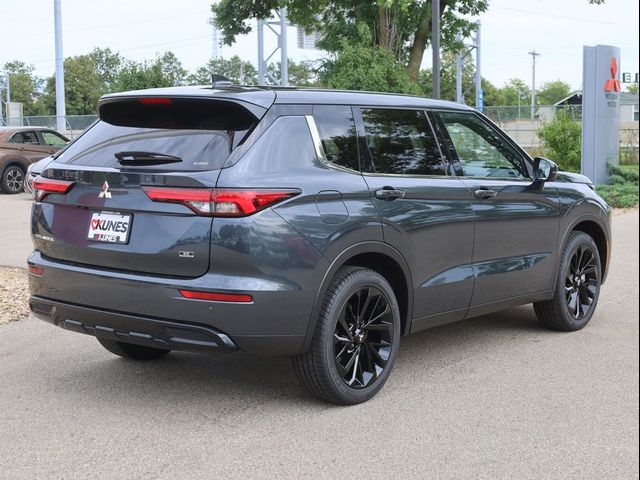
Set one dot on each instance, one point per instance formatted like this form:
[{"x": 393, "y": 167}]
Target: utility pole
[
  {"x": 60, "y": 104},
  {"x": 435, "y": 46},
  {"x": 459, "y": 67},
  {"x": 533, "y": 54},
  {"x": 479, "y": 92}
]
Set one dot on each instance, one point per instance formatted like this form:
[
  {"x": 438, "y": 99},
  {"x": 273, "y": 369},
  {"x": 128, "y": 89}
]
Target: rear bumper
[
  {"x": 149, "y": 332},
  {"x": 150, "y": 310}
]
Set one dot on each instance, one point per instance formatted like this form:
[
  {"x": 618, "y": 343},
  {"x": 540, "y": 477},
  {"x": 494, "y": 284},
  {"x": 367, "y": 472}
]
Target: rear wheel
[
  {"x": 131, "y": 351},
  {"x": 577, "y": 286},
  {"x": 12, "y": 179},
  {"x": 356, "y": 339}
]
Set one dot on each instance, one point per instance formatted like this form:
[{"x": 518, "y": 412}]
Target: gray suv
[{"x": 320, "y": 225}]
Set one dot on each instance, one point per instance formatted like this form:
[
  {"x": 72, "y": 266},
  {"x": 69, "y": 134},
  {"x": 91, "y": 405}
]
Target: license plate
[{"x": 109, "y": 227}]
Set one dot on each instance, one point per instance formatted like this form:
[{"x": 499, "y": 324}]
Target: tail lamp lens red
[
  {"x": 217, "y": 297},
  {"x": 220, "y": 202},
  {"x": 44, "y": 186}
]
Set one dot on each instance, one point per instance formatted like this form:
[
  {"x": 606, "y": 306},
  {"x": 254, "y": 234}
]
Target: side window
[
  {"x": 481, "y": 151},
  {"x": 338, "y": 134},
  {"x": 401, "y": 142},
  {"x": 53, "y": 139},
  {"x": 25, "y": 137}
]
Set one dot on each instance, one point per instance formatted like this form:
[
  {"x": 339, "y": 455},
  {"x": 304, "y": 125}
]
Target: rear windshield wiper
[{"x": 145, "y": 158}]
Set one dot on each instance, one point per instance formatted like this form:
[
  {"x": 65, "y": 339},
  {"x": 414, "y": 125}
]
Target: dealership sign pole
[{"x": 600, "y": 111}]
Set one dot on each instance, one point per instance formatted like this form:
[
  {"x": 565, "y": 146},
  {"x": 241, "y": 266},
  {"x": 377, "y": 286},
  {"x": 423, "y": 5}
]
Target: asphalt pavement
[{"x": 493, "y": 397}]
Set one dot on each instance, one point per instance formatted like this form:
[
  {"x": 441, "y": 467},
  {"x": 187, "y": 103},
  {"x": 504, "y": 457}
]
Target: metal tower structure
[
  {"x": 215, "y": 38},
  {"x": 473, "y": 46},
  {"x": 281, "y": 33},
  {"x": 6, "y": 89}
]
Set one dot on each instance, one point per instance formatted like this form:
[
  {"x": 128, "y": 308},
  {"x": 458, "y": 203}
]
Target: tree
[
  {"x": 300, "y": 73},
  {"x": 552, "y": 92},
  {"x": 633, "y": 88},
  {"x": 82, "y": 87},
  {"x": 402, "y": 27},
  {"x": 234, "y": 68},
  {"x": 562, "y": 139},
  {"x": 360, "y": 66},
  {"x": 107, "y": 65},
  {"x": 165, "y": 71},
  {"x": 25, "y": 87},
  {"x": 516, "y": 92},
  {"x": 492, "y": 95}
]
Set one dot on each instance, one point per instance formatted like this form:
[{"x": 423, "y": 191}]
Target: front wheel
[
  {"x": 356, "y": 339},
  {"x": 577, "y": 287}
]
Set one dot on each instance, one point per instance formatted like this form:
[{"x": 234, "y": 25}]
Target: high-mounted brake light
[
  {"x": 217, "y": 297},
  {"x": 154, "y": 101},
  {"x": 44, "y": 186},
  {"x": 218, "y": 202}
]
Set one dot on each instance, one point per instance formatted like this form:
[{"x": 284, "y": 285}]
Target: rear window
[
  {"x": 198, "y": 149},
  {"x": 200, "y": 134}
]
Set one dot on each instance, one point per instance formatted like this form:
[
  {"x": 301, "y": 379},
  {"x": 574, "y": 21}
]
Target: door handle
[
  {"x": 388, "y": 193},
  {"x": 484, "y": 193}
]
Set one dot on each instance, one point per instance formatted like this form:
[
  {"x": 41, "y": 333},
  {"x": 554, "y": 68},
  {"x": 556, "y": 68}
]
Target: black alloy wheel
[
  {"x": 581, "y": 281},
  {"x": 577, "y": 286},
  {"x": 363, "y": 337},
  {"x": 356, "y": 339}
]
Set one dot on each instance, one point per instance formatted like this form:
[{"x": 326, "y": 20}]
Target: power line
[
  {"x": 173, "y": 42},
  {"x": 564, "y": 17},
  {"x": 98, "y": 27}
]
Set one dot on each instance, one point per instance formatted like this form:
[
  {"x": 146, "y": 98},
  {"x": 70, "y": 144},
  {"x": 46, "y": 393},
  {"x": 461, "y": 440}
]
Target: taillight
[
  {"x": 217, "y": 297},
  {"x": 154, "y": 101},
  {"x": 219, "y": 202},
  {"x": 44, "y": 186}
]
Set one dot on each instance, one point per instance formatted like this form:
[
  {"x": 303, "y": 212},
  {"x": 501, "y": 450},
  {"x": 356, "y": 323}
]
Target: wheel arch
[
  {"x": 380, "y": 257},
  {"x": 594, "y": 226}
]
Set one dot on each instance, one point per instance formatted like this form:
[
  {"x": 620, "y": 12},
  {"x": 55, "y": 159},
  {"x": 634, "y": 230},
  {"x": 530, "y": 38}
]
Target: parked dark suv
[{"x": 321, "y": 225}]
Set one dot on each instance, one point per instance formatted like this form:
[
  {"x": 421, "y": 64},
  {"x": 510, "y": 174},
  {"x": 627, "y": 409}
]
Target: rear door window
[
  {"x": 401, "y": 142},
  {"x": 28, "y": 138},
  {"x": 338, "y": 136}
]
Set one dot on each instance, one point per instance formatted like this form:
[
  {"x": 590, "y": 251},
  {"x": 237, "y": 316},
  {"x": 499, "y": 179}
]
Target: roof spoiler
[{"x": 179, "y": 112}]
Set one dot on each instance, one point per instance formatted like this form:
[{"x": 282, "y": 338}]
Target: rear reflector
[
  {"x": 220, "y": 202},
  {"x": 217, "y": 297},
  {"x": 36, "y": 270},
  {"x": 44, "y": 186}
]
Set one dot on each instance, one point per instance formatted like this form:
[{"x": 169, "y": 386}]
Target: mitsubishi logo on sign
[
  {"x": 613, "y": 84},
  {"x": 105, "y": 193}
]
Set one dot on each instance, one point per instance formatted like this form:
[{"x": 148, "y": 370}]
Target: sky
[{"x": 557, "y": 29}]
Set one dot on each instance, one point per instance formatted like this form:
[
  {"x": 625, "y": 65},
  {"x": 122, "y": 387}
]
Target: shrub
[
  {"x": 623, "y": 190},
  {"x": 561, "y": 139}
]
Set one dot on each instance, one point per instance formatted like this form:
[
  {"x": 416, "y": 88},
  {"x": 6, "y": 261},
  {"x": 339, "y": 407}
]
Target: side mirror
[{"x": 544, "y": 170}]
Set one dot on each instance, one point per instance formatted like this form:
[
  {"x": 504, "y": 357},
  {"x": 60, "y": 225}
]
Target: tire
[
  {"x": 131, "y": 351},
  {"x": 352, "y": 331},
  {"x": 577, "y": 287},
  {"x": 12, "y": 179}
]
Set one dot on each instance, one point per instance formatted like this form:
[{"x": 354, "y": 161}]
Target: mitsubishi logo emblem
[
  {"x": 105, "y": 193},
  {"x": 613, "y": 84}
]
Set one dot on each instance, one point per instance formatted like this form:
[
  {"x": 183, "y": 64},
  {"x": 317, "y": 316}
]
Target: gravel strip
[{"x": 14, "y": 294}]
